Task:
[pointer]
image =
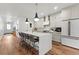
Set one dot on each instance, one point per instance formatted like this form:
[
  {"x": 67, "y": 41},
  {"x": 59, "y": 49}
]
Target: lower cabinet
[
  {"x": 72, "y": 42},
  {"x": 56, "y": 36}
]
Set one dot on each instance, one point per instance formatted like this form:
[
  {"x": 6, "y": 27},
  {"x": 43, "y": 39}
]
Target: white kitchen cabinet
[
  {"x": 75, "y": 11},
  {"x": 72, "y": 42},
  {"x": 56, "y": 36},
  {"x": 74, "y": 27},
  {"x": 64, "y": 28}
]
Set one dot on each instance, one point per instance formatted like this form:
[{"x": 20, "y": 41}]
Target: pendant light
[
  {"x": 26, "y": 21},
  {"x": 36, "y": 18}
]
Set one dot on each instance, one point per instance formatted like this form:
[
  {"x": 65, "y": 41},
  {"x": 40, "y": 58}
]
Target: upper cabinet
[
  {"x": 71, "y": 12},
  {"x": 66, "y": 13},
  {"x": 75, "y": 11}
]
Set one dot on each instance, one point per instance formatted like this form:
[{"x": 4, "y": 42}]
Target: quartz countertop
[{"x": 39, "y": 34}]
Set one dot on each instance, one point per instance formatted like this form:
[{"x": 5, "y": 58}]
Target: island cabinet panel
[{"x": 40, "y": 42}]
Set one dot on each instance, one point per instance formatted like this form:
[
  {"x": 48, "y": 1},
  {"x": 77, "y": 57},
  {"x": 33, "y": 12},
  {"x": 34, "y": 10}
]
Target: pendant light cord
[{"x": 36, "y": 4}]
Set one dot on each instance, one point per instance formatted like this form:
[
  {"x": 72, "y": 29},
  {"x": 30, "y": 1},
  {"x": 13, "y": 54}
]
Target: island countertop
[{"x": 39, "y": 34}]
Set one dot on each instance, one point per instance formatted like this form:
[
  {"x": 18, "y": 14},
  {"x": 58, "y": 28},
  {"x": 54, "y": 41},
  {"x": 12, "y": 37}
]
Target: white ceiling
[{"x": 29, "y": 9}]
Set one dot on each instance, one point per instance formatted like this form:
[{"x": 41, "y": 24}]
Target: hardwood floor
[
  {"x": 9, "y": 45},
  {"x": 59, "y": 49}
]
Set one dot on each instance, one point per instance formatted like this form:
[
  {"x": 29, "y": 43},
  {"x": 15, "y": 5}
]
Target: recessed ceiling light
[
  {"x": 42, "y": 14},
  {"x": 56, "y": 7}
]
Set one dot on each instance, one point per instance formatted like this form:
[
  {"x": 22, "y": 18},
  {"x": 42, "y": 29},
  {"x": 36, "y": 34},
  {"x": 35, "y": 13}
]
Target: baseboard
[
  {"x": 70, "y": 47},
  {"x": 56, "y": 41}
]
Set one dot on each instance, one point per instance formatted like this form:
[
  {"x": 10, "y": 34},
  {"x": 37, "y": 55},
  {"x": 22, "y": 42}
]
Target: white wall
[
  {"x": 1, "y": 26},
  {"x": 23, "y": 27},
  {"x": 39, "y": 24},
  {"x": 56, "y": 20}
]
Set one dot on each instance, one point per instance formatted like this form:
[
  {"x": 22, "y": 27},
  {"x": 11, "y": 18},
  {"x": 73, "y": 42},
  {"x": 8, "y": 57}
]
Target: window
[{"x": 8, "y": 26}]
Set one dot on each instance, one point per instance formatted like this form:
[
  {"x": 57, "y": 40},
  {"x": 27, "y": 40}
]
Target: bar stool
[
  {"x": 33, "y": 40},
  {"x": 27, "y": 42},
  {"x": 36, "y": 40},
  {"x": 22, "y": 39}
]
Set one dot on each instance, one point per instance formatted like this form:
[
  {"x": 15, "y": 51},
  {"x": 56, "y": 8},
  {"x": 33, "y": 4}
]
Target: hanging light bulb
[
  {"x": 36, "y": 18},
  {"x": 26, "y": 21}
]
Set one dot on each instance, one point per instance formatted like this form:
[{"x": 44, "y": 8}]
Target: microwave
[{"x": 58, "y": 29}]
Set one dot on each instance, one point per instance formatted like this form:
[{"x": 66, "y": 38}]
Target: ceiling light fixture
[
  {"x": 36, "y": 18},
  {"x": 56, "y": 7}
]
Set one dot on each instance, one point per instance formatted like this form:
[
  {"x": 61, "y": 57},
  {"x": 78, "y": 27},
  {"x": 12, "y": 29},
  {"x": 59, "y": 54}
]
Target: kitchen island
[{"x": 45, "y": 41}]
